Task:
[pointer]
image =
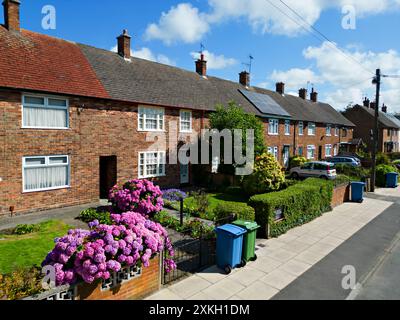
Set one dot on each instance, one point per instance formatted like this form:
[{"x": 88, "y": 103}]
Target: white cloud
[
  {"x": 181, "y": 23},
  {"x": 147, "y": 54},
  {"x": 214, "y": 61},
  {"x": 295, "y": 78}
]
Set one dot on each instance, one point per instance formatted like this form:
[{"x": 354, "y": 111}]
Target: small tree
[
  {"x": 267, "y": 176},
  {"x": 233, "y": 117}
]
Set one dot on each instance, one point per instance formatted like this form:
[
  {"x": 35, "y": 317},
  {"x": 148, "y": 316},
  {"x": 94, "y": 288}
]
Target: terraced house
[{"x": 74, "y": 118}]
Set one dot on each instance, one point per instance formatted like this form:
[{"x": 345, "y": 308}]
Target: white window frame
[
  {"x": 47, "y": 164},
  {"x": 181, "y": 121},
  {"x": 161, "y": 161},
  {"x": 46, "y": 99},
  {"x": 273, "y": 123},
  {"x": 337, "y": 131},
  {"x": 335, "y": 150},
  {"x": 328, "y": 130},
  {"x": 312, "y": 147},
  {"x": 301, "y": 125},
  {"x": 160, "y": 117},
  {"x": 287, "y": 126},
  {"x": 310, "y": 131},
  {"x": 328, "y": 146},
  {"x": 274, "y": 151}
]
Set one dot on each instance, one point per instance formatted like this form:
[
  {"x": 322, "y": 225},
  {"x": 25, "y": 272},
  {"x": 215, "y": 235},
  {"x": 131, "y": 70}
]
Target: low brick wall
[{"x": 341, "y": 194}]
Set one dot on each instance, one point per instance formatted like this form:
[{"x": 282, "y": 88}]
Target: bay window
[
  {"x": 151, "y": 119},
  {"x": 44, "y": 112},
  {"x": 185, "y": 121},
  {"x": 151, "y": 164},
  {"x": 45, "y": 173}
]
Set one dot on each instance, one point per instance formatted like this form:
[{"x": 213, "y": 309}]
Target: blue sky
[{"x": 171, "y": 32}]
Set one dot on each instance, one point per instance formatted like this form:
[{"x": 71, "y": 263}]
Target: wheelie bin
[
  {"x": 357, "y": 191},
  {"x": 249, "y": 239},
  {"x": 391, "y": 180},
  {"x": 229, "y": 247}
]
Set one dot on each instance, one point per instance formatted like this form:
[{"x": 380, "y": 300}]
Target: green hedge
[
  {"x": 240, "y": 211},
  {"x": 381, "y": 171},
  {"x": 300, "y": 204}
]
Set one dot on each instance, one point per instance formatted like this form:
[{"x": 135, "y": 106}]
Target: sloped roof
[
  {"x": 385, "y": 119},
  {"x": 33, "y": 61}
]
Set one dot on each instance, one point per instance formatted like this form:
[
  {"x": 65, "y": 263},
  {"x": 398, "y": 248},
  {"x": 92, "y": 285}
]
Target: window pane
[
  {"x": 58, "y": 160},
  {"x": 45, "y": 117},
  {"x": 35, "y": 161},
  {"x": 34, "y": 100},
  {"x": 57, "y": 102},
  {"x": 45, "y": 178}
]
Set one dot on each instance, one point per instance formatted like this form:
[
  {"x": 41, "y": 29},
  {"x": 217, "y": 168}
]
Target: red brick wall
[
  {"x": 103, "y": 128},
  {"x": 341, "y": 194},
  {"x": 148, "y": 283}
]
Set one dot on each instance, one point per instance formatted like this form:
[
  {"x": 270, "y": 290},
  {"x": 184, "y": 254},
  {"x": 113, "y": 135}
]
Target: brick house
[
  {"x": 389, "y": 126},
  {"x": 74, "y": 119}
]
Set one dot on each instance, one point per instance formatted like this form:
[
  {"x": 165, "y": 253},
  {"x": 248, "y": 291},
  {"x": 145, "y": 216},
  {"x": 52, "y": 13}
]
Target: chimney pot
[
  {"x": 11, "y": 15},
  {"x": 244, "y": 78},
  {"x": 373, "y": 105},
  {"x": 314, "y": 96},
  {"x": 384, "y": 109},
  {"x": 303, "y": 93},
  {"x": 280, "y": 88},
  {"x": 366, "y": 102},
  {"x": 201, "y": 66},
  {"x": 124, "y": 44}
]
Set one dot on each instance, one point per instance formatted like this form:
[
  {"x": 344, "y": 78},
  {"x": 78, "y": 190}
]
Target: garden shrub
[
  {"x": 173, "y": 195},
  {"x": 297, "y": 161},
  {"x": 140, "y": 196},
  {"x": 382, "y": 158},
  {"x": 300, "y": 204},
  {"x": 351, "y": 171},
  {"x": 239, "y": 211},
  {"x": 91, "y": 214},
  {"x": 26, "y": 228},
  {"x": 266, "y": 177},
  {"x": 381, "y": 171},
  {"x": 21, "y": 283}
]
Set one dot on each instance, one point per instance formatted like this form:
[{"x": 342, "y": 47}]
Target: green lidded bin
[{"x": 249, "y": 239}]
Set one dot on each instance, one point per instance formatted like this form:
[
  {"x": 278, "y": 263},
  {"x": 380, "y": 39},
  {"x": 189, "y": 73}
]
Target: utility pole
[{"x": 377, "y": 82}]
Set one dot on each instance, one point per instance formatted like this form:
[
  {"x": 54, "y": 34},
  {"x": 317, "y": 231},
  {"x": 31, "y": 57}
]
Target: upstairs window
[
  {"x": 287, "y": 127},
  {"x": 44, "y": 112},
  {"x": 185, "y": 121},
  {"x": 311, "y": 129},
  {"x": 151, "y": 119},
  {"x": 301, "y": 128},
  {"x": 328, "y": 130},
  {"x": 273, "y": 127},
  {"x": 337, "y": 131}
]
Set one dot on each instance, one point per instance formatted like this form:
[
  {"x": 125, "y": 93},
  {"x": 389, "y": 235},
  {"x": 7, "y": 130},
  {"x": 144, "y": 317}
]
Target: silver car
[{"x": 315, "y": 169}]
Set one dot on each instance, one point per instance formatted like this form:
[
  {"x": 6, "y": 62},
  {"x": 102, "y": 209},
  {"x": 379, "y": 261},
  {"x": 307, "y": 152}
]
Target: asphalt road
[{"x": 374, "y": 255}]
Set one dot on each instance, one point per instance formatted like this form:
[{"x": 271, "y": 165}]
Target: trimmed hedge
[
  {"x": 240, "y": 211},
  {"x": 300, "y": 204},
  {"x": 381, "y": 171}
]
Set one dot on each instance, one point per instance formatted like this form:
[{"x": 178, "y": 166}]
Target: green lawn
[{"x": 20, "y": 251}]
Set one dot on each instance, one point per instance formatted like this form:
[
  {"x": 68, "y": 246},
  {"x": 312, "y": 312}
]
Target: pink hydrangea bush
[
  {"x": 140, "y": 196},
  {"x": 90, "y": 255}
]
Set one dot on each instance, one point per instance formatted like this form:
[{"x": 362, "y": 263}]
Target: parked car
[
  {"x": 350, "y": 161},
  {"x": 316, "y": 169}
]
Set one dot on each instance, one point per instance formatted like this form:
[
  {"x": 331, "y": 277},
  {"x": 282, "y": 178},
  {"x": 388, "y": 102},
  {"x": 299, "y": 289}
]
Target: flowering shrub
[
  {"x": 140, "y": 196},
  {"x": 91, "y": 255},
  {"x": 173, "y": 195}
]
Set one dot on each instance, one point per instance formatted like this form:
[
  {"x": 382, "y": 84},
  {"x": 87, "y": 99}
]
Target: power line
[{"x": 331, "y": 43}]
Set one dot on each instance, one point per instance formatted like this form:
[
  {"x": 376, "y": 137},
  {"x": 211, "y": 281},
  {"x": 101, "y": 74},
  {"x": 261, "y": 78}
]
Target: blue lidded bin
[
  {"x": 357, "y": 191},
  {"x": 391, "y": 180},
  {"x": 229, "y": 246}
]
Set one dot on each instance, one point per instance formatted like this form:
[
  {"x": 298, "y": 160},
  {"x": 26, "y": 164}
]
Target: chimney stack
[
  {"x": 124, "y": 45},
  {"x": 303, "y": 93},
  {"x": 314, "y": 95},
  {"x": 372, "y": 105},
  {"x": 11, "y": 15},
  {"x": 384, "y": 109},
  {"x": 280, "y": 88},
  {"x": 201, "y": 66},
  {"x": 366, "y": 102},
  {"x": 244, "y": 78}
]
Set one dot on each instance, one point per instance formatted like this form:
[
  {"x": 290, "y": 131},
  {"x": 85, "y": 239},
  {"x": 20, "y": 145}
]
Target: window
[
  {"x": 310, "y": 152},
  {"x": 328, "y": 130},
  {"x": 45, "y": 173},
  {"x": 185, "y": 121},
  {"x": 151, "y": 164},
  {"x": 44, "y": 112},
  {"x": 337, "y": 131},
  {"x": 301, "y": 128},
  {"x": 287, "y": 127},
  {"x": 301, "y": 151},
  {"x": 311, "y": 129},
  {"x": 328, "y": 150},
  {"x": 344, "y": 132},
  {"x": 273, "y": 127},
  {"x": 151, "y": 119},
  {"x": 274, "y": 151},
  {"x": 335, "y": 151}
]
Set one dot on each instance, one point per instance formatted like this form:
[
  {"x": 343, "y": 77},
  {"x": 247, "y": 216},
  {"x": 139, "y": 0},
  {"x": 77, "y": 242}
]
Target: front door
[
  {"x": 108, "y": 175},
  {"x": 320, "y": 153},
  {"x": 184, "y": 169},
  {"x": 286, "y": 156}
]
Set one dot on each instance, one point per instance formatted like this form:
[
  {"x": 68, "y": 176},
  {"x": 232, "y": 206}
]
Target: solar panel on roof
[{"x": 265, "y": 104}]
